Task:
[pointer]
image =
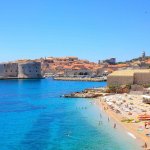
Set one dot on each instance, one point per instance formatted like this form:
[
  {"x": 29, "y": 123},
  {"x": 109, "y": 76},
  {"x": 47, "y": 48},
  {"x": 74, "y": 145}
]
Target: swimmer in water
[
  {"x": 100, "y": 115},
  {"x": 100, "y": 123},
  {"x": 115, "y": 126}
]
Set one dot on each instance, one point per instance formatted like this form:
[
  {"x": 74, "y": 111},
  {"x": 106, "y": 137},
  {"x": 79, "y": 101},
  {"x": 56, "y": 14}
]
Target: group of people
[{"x": 100, "y": 122}]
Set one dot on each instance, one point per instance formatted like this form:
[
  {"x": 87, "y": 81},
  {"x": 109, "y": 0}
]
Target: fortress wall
[
  {"x": 142, "y": 78},
  {"x": 8, "y": 70},
  {"x": 29, "y": 70},
  {"x": 119, "y": 80},
  {"x": 11, "y": 70},
  {"x": 2, "y": 71},
  {"x": 138, "y": 77}
]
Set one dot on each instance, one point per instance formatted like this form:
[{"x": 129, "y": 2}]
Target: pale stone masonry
[
  {"x": 129, "y": 77},
  {"x": 29, "y": 70},
  {"x": 20, "y": 70},
  {"x": 8, "y": 70}
]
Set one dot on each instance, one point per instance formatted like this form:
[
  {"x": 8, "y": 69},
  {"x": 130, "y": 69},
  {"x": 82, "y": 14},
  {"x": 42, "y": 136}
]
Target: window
[
  {"x": 85, "y": 73},
  {"x": 81, "y": 73}
]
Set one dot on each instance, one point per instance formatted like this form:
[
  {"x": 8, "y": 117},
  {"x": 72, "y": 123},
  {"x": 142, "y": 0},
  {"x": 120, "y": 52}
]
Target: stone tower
[
  {"x": 143, "y": 55},
  {"x": 29, "y": 70}
]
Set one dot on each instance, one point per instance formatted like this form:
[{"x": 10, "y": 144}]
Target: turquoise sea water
[{"x": 34, "y": 117}]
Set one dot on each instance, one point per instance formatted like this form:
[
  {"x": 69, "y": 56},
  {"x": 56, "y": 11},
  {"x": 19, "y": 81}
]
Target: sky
[{"x": 90, "y": 29}]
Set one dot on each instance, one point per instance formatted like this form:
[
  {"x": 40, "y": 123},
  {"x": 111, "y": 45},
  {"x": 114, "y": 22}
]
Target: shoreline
[
  {"x": 124, "y": 109},
  {"x": 131, "y": 128},
  {"x": 13, "y": 78},
  {"x": 80, "y": 79}
]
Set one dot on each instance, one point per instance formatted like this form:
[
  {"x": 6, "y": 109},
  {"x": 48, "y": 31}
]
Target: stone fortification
[
  {"x": 20, "y": 70},
  {"x": 126, "y": 77},
  {"x": 29, "y": 70},
  {"x": 142, "y": 77},
  {"x": 8, "y": 70}
]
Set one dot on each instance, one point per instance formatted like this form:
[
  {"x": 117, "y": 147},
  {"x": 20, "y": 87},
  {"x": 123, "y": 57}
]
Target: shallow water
[{"x": 34, "y": 117}]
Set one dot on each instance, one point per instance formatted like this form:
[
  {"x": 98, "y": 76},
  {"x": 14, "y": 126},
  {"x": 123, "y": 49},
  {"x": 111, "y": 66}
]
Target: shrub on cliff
[
  {"x": 118, "y": 89},
  {"x": 146, "y": 85}
]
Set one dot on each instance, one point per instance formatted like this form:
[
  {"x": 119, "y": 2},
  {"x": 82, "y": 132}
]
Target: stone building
[
  {"x": 100, "y": 72},
  {"x": 129, "y": 77},
  {"x": 110, "y": 61},
  {"x": 77, "y": 72},
  {"x": 20, "y": 70}
]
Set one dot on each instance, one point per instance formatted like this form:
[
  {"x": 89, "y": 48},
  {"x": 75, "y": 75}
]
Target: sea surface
[{"x": 33, "y": 116}]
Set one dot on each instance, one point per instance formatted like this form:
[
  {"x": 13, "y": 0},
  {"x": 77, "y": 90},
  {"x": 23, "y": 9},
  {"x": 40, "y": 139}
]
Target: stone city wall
[
  {"x": 20, "y": 70},
  {"x": 126, "y": 77},
  {"x": 142, "y": 78},
  {"x": 119, "y": 80},
  {"x": 8, "y": 70}
]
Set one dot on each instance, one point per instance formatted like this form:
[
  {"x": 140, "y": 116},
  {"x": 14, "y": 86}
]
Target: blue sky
[{"x": 89, "y": 29}]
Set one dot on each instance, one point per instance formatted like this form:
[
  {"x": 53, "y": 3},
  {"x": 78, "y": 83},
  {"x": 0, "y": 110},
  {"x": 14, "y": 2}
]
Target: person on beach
[
  {"x": 145, "y": 145},
  {"x": 115, "y": 125},
  {"x": 108, "y": 119},
  {"x": 146, "y": 125}
]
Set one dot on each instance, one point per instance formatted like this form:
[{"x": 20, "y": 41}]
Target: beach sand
[{"x": 131, "y": 128}]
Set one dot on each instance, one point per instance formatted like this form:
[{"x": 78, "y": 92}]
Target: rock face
[
  {"x": 20, "y": 70},
  {"x": 29, "y": 70},
  {"x": 87, "y": 93}
]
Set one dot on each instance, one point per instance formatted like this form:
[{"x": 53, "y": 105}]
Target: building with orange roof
[
  {"x": 70, "y": 65},
  {"x": 147, "y": 61}
]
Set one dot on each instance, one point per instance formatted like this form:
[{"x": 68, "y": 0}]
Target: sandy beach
[{"x": 118, "y": 111}]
